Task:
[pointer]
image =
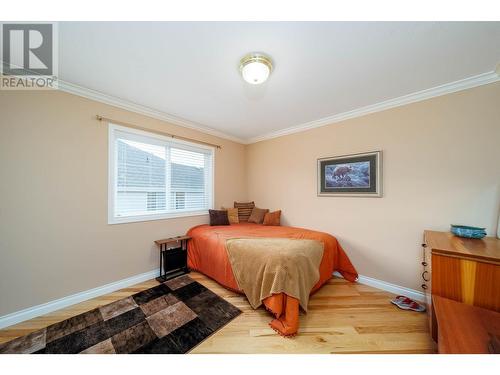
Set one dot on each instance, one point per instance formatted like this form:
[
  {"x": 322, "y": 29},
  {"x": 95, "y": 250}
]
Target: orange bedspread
[{"x": 207, "y": 254}]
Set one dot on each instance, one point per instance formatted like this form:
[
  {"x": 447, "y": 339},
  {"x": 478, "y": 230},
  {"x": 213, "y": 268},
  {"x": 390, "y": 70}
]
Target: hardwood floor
[{"x": 343, "y": 318}]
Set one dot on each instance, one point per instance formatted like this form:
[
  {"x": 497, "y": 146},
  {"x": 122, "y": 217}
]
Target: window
[{"x": 155, "y": 177}]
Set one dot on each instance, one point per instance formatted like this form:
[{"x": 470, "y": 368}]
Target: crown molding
[
  {"x": 448, "y": 88},
  {"x": 141, "y": 109}
]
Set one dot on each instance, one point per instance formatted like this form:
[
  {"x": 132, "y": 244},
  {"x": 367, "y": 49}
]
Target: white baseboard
[
  {"x": 388, "y": 287},
  {"x": 45, "y": 308}
]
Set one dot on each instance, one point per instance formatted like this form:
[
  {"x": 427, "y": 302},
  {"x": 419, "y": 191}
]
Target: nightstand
[{"x": 173, "y": 257}]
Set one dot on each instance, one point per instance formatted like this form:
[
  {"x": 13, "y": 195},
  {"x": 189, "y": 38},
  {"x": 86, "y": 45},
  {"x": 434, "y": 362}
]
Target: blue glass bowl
[{"x": 468, "y": 232}]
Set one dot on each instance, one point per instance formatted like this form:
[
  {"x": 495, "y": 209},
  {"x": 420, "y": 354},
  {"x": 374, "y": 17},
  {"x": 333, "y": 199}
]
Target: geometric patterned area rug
[{"x": 172, "y": 317}]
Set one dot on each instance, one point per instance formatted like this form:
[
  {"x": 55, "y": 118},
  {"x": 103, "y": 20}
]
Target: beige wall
[
  {"x": 54, "y": 236},
  {"x": 441, "y": 165}
]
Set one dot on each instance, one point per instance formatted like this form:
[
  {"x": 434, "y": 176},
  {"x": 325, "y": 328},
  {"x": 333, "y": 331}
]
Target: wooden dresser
[{"x": 460, "y": 269}]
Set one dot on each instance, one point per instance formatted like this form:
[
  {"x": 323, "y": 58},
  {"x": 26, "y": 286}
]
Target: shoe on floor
[{"x": 406, "y": 303}]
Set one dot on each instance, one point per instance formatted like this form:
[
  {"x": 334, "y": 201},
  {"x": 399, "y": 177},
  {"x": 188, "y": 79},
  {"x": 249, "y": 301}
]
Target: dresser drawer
[{"x": 467, "y": 281}]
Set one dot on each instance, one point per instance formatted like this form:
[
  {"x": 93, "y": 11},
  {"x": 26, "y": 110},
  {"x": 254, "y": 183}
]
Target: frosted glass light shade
[{"x": 255, "y": 68}]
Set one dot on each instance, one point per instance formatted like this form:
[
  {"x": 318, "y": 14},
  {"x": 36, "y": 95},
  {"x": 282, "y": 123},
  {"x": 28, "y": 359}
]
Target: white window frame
[{"x": 113, "y": 171}]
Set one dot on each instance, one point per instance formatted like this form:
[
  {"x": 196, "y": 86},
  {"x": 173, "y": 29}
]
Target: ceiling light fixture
[{"x": 255, "y": 68}]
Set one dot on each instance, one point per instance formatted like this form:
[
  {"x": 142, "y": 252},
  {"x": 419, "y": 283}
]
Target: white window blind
[{"x": 156, "y": 177}]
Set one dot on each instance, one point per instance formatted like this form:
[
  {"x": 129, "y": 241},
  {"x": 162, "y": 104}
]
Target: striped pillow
[
  {"x": 232, "y": 215},
  {"x": 244, "y": 210}
]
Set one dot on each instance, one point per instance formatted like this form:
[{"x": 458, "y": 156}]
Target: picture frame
[{"x": 354, "y": 175}]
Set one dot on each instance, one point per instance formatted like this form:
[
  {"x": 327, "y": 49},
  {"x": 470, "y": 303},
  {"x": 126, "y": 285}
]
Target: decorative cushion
[
  {"x": 257, "y": 215},
  {"x": 232, "y": 214},
  {"x": 218, "y": 217},
  {"x": 244, "y": 210},
  {"x": 272, "y": 218}
]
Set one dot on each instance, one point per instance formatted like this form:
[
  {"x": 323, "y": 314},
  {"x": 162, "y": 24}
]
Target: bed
[{"x": 207, "y": 254}]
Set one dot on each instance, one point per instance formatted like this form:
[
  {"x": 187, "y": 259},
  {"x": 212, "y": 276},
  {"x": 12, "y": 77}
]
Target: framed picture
[{"x": 351, "y": 175}]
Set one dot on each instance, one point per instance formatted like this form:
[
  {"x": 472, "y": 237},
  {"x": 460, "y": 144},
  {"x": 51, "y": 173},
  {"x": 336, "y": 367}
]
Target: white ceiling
[{"x": 190, "y": 70}]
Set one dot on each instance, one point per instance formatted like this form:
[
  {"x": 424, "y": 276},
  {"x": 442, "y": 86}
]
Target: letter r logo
[{"x": 27, "y": 49}]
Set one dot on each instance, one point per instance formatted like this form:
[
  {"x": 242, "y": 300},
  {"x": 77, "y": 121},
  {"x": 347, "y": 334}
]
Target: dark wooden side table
[{"x": 173, "y": 257}]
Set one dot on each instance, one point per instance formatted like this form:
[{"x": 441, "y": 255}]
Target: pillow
[
  {"x": 232, "y": 214},
  {"x": 272, "y": 218},
  {"x": 218, "y": 217},
  {"x": 244, "y": 210},
  {"x": 257, "y": 215}
]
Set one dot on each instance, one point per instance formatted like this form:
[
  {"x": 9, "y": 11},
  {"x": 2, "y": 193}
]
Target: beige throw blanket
[{"x": 266, "y": 266}]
